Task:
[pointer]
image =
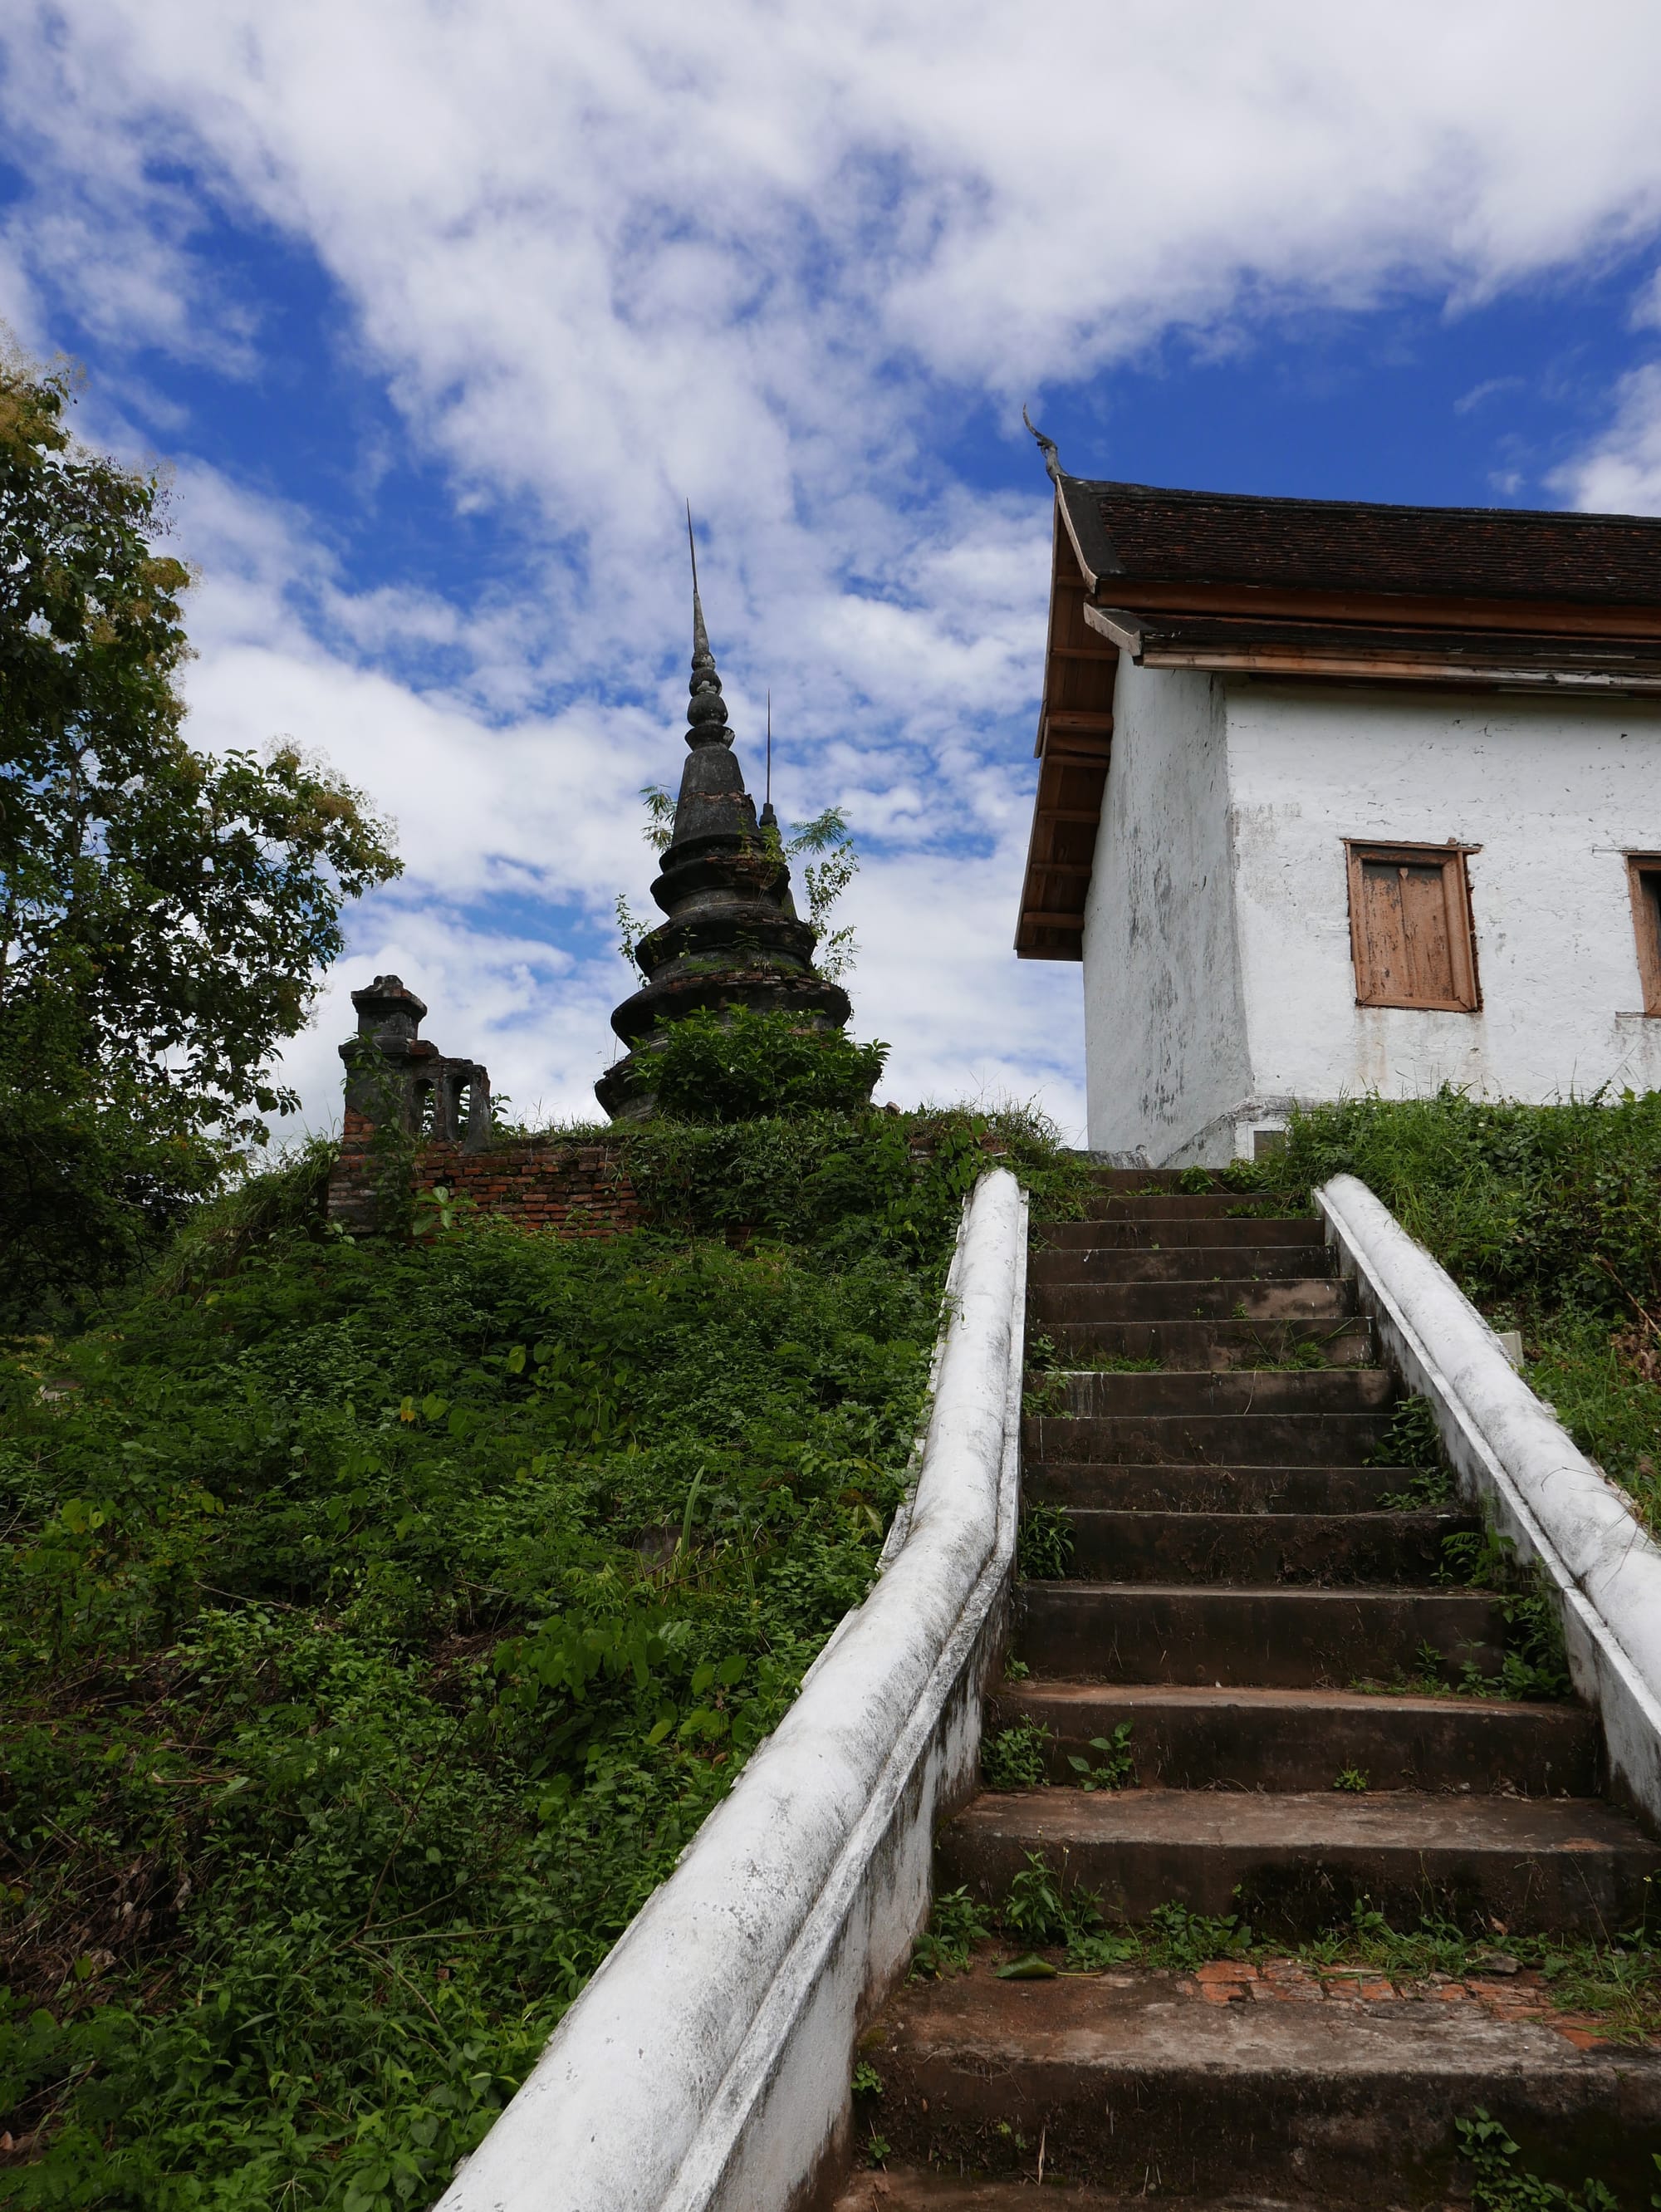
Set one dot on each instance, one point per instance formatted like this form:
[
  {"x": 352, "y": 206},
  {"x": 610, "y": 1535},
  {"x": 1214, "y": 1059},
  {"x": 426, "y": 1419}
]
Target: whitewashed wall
[
  {"x": 1164, "y": 1023},
  {"x": 1254, "y": 1006}
]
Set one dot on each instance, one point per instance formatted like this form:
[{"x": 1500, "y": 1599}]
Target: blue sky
[{"x": 437, "y": 311}]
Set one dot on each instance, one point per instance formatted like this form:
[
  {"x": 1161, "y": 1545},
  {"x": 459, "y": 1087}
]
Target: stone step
[
  {"x": 1181, "y": 1205},
  {"x": 1294, "y": 1863},
  {"x": 1272, "y": 1295},
  {"x": 1199, "y": 1738},
  {"x": 1300, "y": 1548},
  {"x": 1287, "y": 1439},
  {"x": 891, "y": 2188},
  {"x": 1135, "y": 2083},
  {"x": 1070, "y": 1266},
  {"x": 1192, "y": 1347},
  {"x": 1249, "y": 1394},
  {"x": 1111, "y": 1486},
  {"x": 1149, "y": 1180},
  {"x": 1180, "y": 1233},
  {"x": 1284, "y": 1638}
]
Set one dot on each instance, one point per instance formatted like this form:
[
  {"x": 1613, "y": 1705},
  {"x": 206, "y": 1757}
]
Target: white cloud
[
  {"x": 765, "y": 256},
  {"x": 1620, "y": 472}
]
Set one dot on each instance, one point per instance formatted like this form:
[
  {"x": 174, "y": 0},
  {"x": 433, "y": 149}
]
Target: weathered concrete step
[
  {"x": 1295, "y": 1863},
  {"x": 1111, "y": 1486},
  {"x": 1200, "y": 1737},
  {"x": 1277, "y": 1295},
  {"x": 1195, "y": 1346},
  {"x": 1273, "y": 1638},
  {"x": 890, "y": 2188},
  {"x": 1132, "y": 2084},
  {"x": 1178, "y": 1261},
  {"x": 1217, "y": 1232},
  {"x": 1253, "y": 1393},
  {"x": 1287, "y": 1439},
  {"x": 1181, "y": 1205},
  {"x": 1149, "y": 1179},
  {"x": 1329, "y": 1548}
]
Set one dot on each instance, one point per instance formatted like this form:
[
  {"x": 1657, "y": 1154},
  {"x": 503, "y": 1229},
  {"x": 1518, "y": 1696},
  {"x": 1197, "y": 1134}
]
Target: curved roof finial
[
  {"x": 1051, "y": 451},
  {"x": 707, "y": 711}
]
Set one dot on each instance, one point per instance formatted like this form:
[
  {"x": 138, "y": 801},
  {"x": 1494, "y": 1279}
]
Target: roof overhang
[
  {"x": 1075, "y": 737},
  {"x": 1583, "y": 645}
]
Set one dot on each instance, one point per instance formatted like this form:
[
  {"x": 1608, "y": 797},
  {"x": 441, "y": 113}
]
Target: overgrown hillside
[
  {"x": 1549, "y": 1217},
  {"x": 381, "y": 1620}
]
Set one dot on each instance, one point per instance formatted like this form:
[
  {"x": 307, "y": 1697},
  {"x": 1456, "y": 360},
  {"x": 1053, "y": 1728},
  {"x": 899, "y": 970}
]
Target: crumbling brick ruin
[{"x": 394, "y": 1074}]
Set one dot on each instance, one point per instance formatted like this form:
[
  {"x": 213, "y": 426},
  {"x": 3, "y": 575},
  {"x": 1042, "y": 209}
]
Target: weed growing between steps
[
  {"x": 1535, "y": 1664},
  {"x": 1614, "y": 1982},
  {"x": 1548, "y": 1217},
  {"x": 1500, "y": 2184},
  {"x": 382, "y": 1618},
  {"x": 1044, "y": 1542}
]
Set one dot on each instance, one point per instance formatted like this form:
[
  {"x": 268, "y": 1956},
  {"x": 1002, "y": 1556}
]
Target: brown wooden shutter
[
  {"x": 1645, "y": 870},
  {"x": 1410, "y": 927}
]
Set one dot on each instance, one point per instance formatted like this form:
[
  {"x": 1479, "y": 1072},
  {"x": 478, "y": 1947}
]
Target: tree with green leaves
[{"x": 164, "y": 916}]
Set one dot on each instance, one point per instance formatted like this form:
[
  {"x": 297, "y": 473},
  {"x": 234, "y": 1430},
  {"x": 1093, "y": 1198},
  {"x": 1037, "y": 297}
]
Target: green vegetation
[
  {"x": 738, "y": 1066},
  {"x": 165, "y": 917},
  {"x": 1116, "y": 1769},
  {"x": 1013, "y": 1757},
  {"x": 1499, "y": 2184},
  {"x": 381, "y": 1620},
  {"x": 1549, "y": 1219},
  {"x": 1044, "y": 1542}
]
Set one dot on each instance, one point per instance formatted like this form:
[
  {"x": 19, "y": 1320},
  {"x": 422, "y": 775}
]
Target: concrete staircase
[{"x": 1236, "y": 1572}]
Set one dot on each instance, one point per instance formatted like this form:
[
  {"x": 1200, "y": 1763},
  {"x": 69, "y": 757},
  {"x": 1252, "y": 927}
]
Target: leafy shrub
[{"x": 740, "y": 1065}]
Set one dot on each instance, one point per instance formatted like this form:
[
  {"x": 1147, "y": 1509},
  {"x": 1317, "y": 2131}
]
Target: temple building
[
  {"x": 732, "y": 937},
  {"x": 1336, "y": 799}
]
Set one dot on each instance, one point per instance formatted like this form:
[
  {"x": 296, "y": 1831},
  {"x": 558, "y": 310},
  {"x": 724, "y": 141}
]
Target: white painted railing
[
  {"x": 707, "y": 2063},
  {"x": 1512, "y": 1454}
]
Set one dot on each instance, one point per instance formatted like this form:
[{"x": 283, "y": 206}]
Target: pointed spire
[
  {"x": 769, "y": 819},
  {"x": 706, "y": 712}
]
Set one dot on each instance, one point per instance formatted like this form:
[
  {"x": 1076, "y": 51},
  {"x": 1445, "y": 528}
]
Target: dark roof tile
[{"x": 1140, "y": 532}]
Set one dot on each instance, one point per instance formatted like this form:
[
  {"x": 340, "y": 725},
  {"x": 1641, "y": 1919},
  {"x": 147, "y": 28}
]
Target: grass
[
  {"x": 381, "y": 1620},
  {"x": 1549, "y": 1220}
]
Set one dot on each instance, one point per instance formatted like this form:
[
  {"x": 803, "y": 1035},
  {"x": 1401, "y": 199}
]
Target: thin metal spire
[{"x": 767, "y": 796}]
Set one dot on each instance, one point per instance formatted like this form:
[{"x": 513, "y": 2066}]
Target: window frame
[
  {"x": 1451, "y": 859},
  {"x": 1647, "y": 924}
]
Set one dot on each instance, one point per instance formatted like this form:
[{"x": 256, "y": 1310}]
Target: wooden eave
[
  {"x": 1347, "y": 652},
  {"x": 1074, "y": 736}
]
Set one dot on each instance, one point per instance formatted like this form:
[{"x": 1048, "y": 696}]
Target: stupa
[{"x": 733, "y": 937}]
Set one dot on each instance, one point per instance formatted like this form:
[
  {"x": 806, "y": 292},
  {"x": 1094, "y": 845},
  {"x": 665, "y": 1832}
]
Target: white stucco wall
[
  {"x": 1219, "y": 984},
  {"x": 1164, "y": 1023},
  {"x": 1552, "y": 790}
]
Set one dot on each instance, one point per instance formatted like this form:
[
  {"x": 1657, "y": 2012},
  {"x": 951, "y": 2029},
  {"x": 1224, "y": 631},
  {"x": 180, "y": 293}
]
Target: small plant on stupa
[{"x": 736, "y": 1065}]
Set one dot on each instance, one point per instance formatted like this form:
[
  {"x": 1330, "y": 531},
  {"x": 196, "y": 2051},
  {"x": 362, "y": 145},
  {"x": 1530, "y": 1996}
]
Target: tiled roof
[{"x": 1142, "y": 534}]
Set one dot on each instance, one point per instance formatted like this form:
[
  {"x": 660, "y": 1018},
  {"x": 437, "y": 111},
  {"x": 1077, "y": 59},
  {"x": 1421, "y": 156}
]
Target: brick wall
[{"x": 574, "y": 1190}]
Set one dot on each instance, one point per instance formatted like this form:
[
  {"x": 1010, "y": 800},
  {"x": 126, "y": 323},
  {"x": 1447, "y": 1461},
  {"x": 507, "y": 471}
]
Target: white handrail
[
  {"x": 707, "y": 2063},
  {"x": 1510, "y": 1451}
]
